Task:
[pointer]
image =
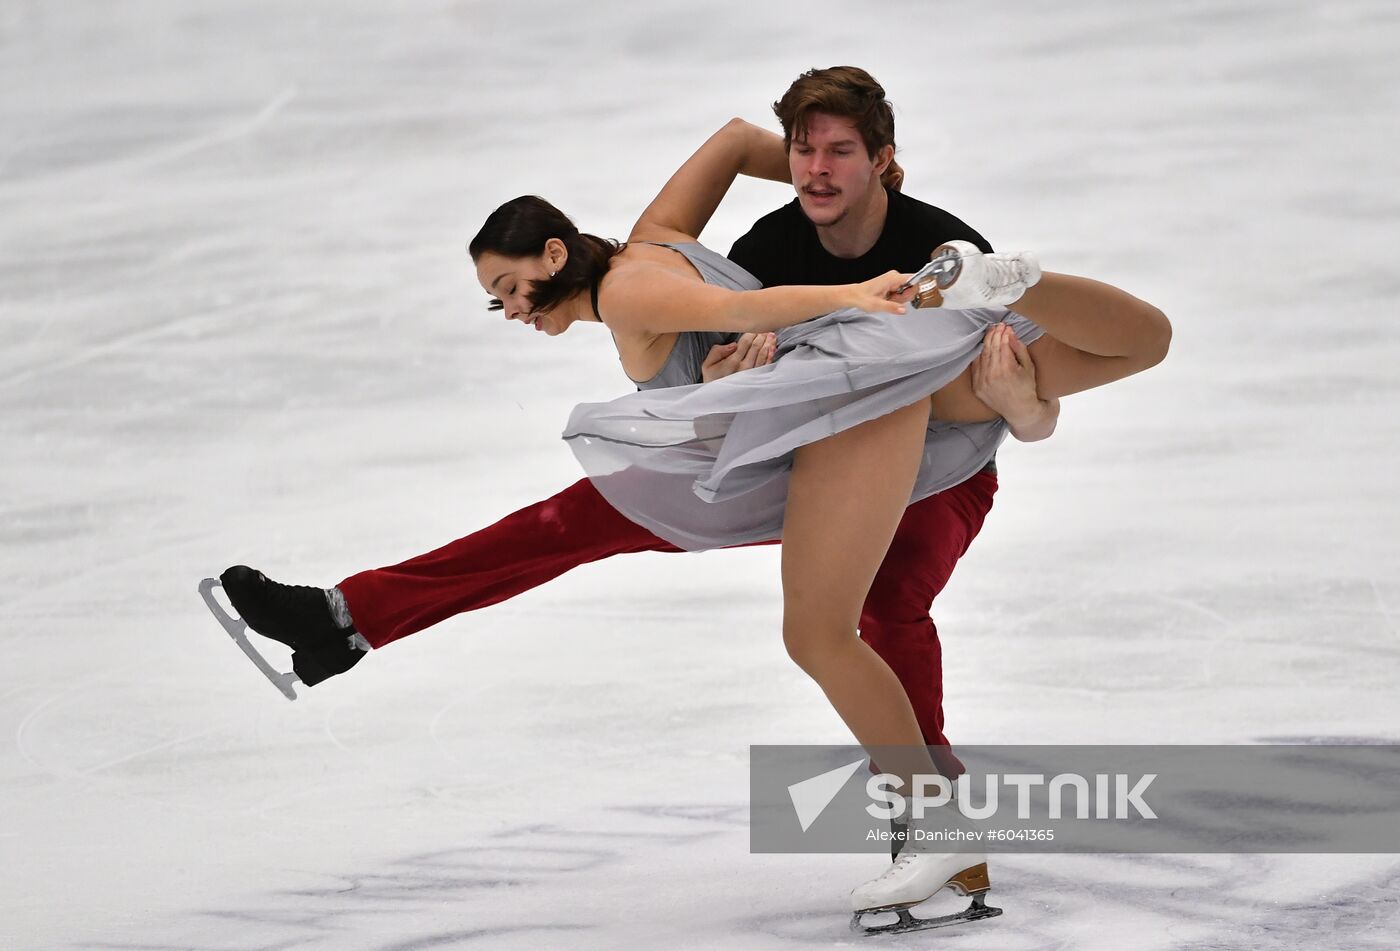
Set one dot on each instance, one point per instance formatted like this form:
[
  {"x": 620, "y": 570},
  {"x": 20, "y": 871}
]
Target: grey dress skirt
[{"x": 706, "y": 465}]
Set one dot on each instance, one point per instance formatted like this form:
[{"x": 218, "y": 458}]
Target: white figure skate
[
  {"x": 916, "y": 877},
  {"x": 960, "y": 276},
  {"x": 919, "y": 872}
]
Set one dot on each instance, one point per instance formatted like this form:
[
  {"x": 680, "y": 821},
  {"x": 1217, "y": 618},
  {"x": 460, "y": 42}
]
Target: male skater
[{"x": 844, "y": 226}]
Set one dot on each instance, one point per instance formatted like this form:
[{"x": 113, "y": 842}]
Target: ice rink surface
[{"x": 238, "y": 324}]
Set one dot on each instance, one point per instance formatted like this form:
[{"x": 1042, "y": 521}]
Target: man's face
[{"x": 832, "y": 171}]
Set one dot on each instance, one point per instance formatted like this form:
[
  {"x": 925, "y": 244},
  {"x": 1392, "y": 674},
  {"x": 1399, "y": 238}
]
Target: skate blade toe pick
[{"x": 237, "y": 629}]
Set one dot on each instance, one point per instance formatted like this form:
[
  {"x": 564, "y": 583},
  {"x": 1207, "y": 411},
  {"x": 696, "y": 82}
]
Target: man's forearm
[{"x": 1036, "y": 424}]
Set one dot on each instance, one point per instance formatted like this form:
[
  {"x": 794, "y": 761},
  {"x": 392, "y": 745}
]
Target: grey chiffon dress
[{"x": 706, "y": 465}]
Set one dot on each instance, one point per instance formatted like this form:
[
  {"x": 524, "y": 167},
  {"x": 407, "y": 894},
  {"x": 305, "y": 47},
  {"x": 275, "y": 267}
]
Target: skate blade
[
  {"x": 941, "y": 271},
  {"x": 237, "y": 629},
  {"x": 907, "y": 922},
  {"x": 936, "y": 277}
]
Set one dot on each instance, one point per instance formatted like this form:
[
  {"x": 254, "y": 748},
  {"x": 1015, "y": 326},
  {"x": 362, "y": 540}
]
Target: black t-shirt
[{"x": 783, "y": 248}]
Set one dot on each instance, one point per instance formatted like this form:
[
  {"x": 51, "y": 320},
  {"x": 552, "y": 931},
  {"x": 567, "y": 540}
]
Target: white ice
[{"x": 238, "y": 325}]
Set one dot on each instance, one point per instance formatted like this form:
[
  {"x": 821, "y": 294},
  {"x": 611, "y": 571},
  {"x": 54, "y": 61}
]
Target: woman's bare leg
[
  {"x": 1095, "y": 333},
  {"x": 846, "y": 497}
]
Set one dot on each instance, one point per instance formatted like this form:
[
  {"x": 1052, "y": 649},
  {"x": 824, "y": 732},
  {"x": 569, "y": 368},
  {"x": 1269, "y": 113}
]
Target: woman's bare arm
[
  {"x": 647, "y": 299},
  {"x": 688, "y": 201}
]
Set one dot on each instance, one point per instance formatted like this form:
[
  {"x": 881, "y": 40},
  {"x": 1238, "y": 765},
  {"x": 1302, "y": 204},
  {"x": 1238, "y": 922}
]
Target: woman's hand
[
  {"x": 880, "y": 295},
  {"x": 749, "y": 351}
]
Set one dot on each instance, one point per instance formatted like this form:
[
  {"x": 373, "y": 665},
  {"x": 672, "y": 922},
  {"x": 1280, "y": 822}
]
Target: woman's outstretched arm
[
  {"x": 687, "y": 202},
  {"x": 646, "y": 299}
]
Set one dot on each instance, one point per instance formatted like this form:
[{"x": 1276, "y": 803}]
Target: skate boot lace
[
  {"x": 1004, "y": 271},
  {"x": 287, "y": 595},
  {"x": 294, "y": 600},
  {"x": 901, "y": 862}
]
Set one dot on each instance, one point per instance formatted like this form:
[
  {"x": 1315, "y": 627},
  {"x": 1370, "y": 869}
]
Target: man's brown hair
[{"x": 845, "y": 91}]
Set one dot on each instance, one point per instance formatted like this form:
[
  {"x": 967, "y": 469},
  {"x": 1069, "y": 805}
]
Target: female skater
[
  {"x": 828, "y": 444},
  {"x": 867, "y": 407}
]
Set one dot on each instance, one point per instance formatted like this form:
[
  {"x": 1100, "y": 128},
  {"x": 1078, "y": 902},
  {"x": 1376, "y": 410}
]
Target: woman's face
[{"x": 510, "y": 280}]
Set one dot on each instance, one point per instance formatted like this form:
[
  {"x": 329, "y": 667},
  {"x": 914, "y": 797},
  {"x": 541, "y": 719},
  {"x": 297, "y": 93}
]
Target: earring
[{"x": 552, "y": 273}]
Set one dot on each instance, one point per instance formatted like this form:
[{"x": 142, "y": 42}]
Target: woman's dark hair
[{"x": 520, "y": 228}]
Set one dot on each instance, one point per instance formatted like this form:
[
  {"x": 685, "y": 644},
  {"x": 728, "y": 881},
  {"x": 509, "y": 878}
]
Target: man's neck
[{"x": 857, "y": 232}]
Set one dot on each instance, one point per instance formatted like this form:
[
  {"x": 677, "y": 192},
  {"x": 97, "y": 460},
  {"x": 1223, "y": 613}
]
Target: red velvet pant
[{"x": 577, "y": 526}]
